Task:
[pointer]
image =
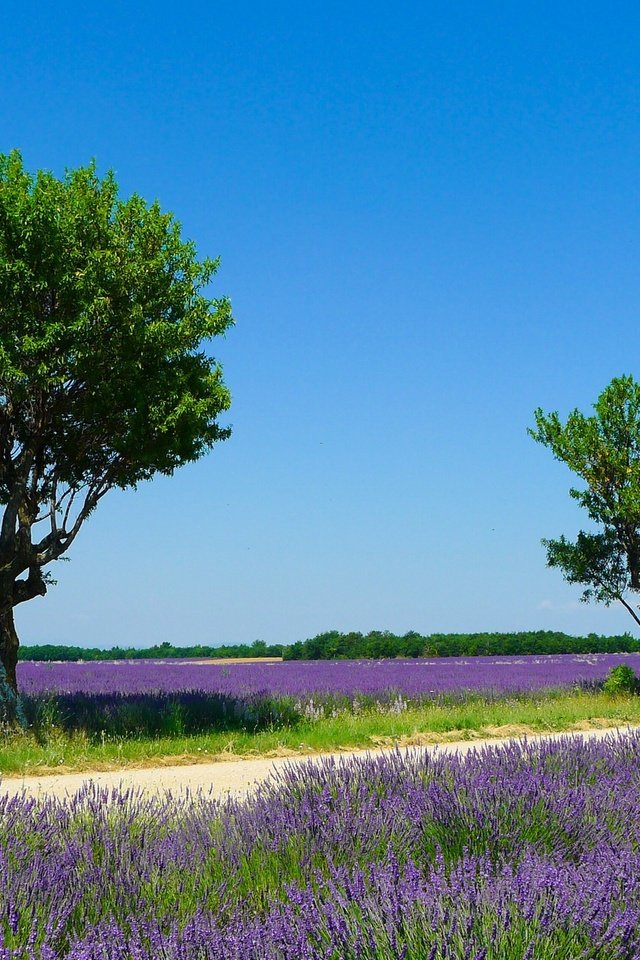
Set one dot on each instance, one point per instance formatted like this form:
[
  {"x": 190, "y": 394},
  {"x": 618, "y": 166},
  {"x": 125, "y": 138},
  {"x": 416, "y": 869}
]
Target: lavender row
[
  {"x": 414, "y": 678},
  {"x": 513, "y": 853}
]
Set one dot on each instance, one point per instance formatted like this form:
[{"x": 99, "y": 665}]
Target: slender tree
[
  {"x": 104, "y": 379},
  {"x": 604, "y": 451}
]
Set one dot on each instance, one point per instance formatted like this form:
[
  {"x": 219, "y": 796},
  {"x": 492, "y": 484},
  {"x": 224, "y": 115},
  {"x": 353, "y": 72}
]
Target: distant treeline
[
  {"x": 161, "y": 651},
  {"x": 334, "y": 645}
]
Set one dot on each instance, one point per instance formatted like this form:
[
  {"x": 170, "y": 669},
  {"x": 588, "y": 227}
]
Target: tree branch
[
  {"x": 630, "y": 609},
  {"x": 33, "y": 586}
]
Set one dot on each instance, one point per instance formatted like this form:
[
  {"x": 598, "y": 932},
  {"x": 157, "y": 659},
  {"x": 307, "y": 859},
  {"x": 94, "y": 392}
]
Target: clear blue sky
[{"x": 429, "y": 221}]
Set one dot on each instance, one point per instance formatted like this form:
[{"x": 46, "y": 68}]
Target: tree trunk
[{"x": 9, "y": 644}]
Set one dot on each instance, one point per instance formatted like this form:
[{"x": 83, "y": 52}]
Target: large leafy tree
[
  {"x": 604, "y": 451},
  {"x": 104, "y": 379}
]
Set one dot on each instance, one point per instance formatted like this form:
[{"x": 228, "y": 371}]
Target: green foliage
[
  {"x": 621, "y": 680},
  {"x": 594, "y": 559},
  {"x": 334, "y": 645},
  {"x": 101, "y": 324},
  {"x": 104, "y": 376},
  {"x": 162, "y": 651},
  {"x": 375, "y": 645},
  {"x": 604, "y": 451}
]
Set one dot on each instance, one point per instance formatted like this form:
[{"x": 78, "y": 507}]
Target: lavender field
[
  {"x": 415, "y": 678},
  {"x": 143, "y": 698},
  {"x": 529, "y": 852}
]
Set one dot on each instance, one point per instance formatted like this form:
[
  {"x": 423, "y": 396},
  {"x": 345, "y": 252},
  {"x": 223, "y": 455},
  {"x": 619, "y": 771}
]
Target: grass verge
[{"x": 21, "y": 754}]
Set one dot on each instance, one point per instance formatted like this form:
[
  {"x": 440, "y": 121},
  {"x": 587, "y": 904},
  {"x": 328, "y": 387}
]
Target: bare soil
[{"x": 219, "y": 660}]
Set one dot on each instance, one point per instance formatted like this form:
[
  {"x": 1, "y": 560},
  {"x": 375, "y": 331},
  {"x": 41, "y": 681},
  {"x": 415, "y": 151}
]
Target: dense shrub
[{"x": 621, "y": 680}]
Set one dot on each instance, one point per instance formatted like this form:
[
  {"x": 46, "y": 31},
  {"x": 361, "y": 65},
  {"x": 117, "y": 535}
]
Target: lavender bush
[
  {"x": 167, "y": 698},
  {"x": 154, "y": 714},
  {"x": 526, "y": 852}
]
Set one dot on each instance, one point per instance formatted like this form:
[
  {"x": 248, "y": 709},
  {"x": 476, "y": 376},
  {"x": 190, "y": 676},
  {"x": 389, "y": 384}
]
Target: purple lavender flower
[{"x": 526, "y": 850}]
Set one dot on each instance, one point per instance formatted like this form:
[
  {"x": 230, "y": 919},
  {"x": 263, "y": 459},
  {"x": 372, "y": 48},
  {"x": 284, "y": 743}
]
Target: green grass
[{"x": 22, "y": 754}]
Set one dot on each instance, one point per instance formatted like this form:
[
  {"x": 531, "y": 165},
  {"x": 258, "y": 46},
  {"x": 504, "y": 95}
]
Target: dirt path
[{"x": 236, "y": 777}]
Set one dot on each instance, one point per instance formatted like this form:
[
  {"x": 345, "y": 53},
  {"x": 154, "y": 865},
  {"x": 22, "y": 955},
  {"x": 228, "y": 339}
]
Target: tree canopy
[
  {"x": 377, "y": 644},
  {"x": 604, "y": 451},
  {"x": 104, "y": 377}
]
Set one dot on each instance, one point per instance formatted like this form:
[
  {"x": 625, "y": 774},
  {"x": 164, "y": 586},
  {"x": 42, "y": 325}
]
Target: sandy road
[{"x": 234, "y": 778}]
